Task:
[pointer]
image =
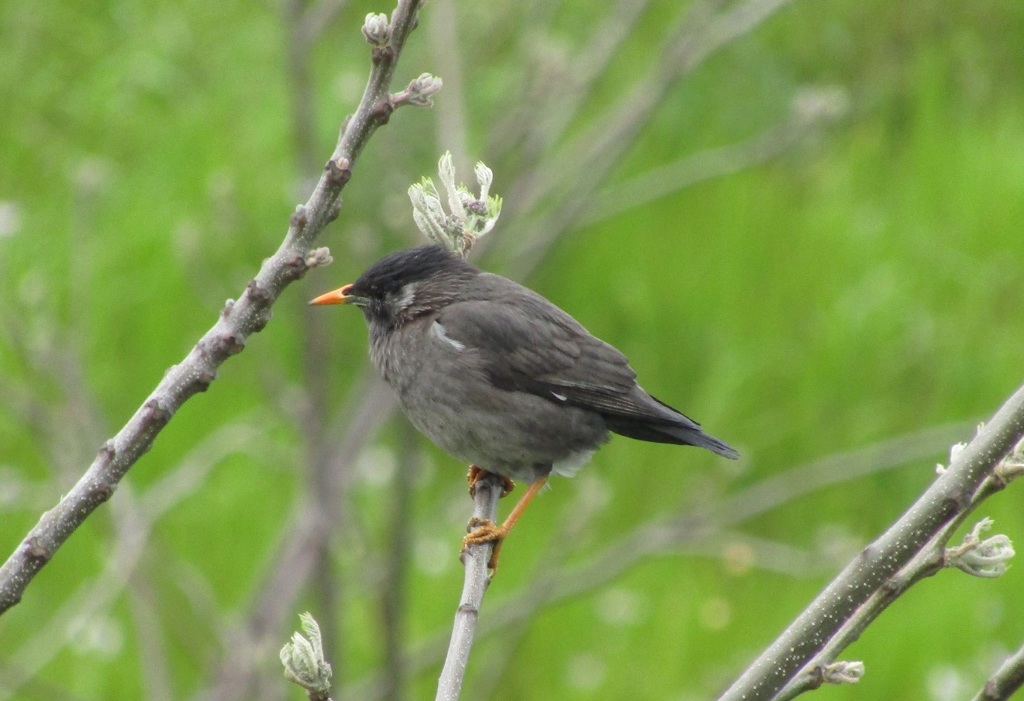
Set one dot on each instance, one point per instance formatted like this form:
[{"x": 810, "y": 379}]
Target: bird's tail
[
  {"x": 683, "y": 432},
  {"x": 697, "y": 437}
]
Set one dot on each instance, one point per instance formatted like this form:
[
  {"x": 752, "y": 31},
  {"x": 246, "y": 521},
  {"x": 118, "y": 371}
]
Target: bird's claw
[
  {"x": 476, "y": 474},
  {"x": 484, "y": 531}
]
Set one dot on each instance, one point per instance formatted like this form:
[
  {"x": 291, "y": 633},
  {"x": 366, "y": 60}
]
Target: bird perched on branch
[{"x": 500, "y": 377}]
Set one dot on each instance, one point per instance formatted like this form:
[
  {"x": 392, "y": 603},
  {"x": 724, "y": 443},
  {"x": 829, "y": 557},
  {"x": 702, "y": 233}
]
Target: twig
[
  {"x": 238, "y": 320},
  {"x": 485, "y": 506},
  {"x": 156, "y": 676},
  {"x": 596, "y": 149},
  {"x": 300, "y": 84},
  {"x": 1006, "y": 680},
  {"x": 316, "y": 18},
  {"x": 947, "y": 499},
  {"x": 307, "y": 22},
  {"x": 446, "y": 48}
]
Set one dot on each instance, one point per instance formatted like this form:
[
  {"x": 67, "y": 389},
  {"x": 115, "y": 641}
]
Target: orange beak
[{"x": 338, "y": 296}]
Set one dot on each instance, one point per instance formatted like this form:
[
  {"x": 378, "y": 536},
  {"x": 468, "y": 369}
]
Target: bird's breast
[{"x": 407, "y": 355}]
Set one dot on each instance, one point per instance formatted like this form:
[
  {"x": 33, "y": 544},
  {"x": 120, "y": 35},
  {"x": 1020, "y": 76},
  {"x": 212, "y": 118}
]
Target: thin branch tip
[
  {"x": 842, "y": 672},
  {"x": 303, "y": 659},
  {"x": 376, "y": 29}
]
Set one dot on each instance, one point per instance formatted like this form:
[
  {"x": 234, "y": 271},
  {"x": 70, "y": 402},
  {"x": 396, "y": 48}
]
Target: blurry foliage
[{"x": 863, "y": 286}]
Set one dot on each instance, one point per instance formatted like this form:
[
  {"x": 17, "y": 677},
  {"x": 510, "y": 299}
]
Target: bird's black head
[{"x": 405, "y": 284}]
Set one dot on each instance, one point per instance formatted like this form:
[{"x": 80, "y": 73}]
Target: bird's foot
[
  {"x": 485, "y": 531},
  {"x": 476, "y": 474}
]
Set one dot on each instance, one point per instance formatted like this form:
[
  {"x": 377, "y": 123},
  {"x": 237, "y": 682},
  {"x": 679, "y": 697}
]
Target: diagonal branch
[
  {"x": 933, "y": 557},
  {"x": 1006, "y": 680},
  {"x": 238, "y": 320},
  {"x": 944, "y": 502}
]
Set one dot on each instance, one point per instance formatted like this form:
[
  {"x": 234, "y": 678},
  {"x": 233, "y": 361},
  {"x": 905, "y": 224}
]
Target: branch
[
  {"x": 946, "y": 502},
  {"x": 1006, "y": 681},
  {"x": 555, "y": 94},
  {"x": 573, "y": 173},
  {"x": 983, "y": 558},
  {"x": 596, "y": 150},
  {"x": 238, "y": 320},
  {"x": 394, "y": 583},
  {"x": 485, "y": 506}
]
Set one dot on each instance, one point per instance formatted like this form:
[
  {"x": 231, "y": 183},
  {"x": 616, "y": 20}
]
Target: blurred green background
[{"x": 852, "y": 279}]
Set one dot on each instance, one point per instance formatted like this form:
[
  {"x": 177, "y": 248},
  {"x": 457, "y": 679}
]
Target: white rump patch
[
  {"x": 570, "y": 465},
  {"x": 439, "y": 331}
]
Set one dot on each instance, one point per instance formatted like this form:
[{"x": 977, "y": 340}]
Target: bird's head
[{"x": 404, "y": 285}]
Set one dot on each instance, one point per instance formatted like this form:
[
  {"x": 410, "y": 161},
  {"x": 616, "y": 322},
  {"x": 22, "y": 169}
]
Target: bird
[{"x": 498, "y": 376}]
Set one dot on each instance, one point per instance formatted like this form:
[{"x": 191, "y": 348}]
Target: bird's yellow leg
[{"x": 486, "y": 531}]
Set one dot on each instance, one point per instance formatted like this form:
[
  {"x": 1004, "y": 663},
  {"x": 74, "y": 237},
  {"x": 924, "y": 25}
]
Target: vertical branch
[{"x": 485, "y": 506}]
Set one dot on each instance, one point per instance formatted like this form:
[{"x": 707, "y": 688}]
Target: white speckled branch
[{"x": 238, "y": 320}]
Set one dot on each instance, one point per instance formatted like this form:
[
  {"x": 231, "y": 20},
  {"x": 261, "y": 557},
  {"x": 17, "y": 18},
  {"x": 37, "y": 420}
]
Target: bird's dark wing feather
[{"x": 527, "y": 344}]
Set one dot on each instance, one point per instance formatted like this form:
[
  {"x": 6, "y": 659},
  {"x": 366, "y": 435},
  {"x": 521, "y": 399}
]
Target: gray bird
[{"x": 500, "y": 377}]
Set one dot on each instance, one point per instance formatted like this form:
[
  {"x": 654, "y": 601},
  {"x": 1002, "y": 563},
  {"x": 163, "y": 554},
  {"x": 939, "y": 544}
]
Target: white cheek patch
[
  {"x": 405, "y": 296},
  {"x": 439, "y": 331},
  {"x": 559, "y": 397}
]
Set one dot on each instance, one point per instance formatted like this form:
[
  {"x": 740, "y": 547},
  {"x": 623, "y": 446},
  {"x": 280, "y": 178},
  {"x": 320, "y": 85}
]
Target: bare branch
[
  {"x": 393, "y": 587},
  {"x": 316, "y": 18},
  {"x": 553, "y": 98},
  {"x": 948, "y": 499},
  {"x": 238, "y": 320},
  {"x": 934, "y": 557},
  {"x": 1006, "y": 680},
  {"x": 485, "y": 506},
  {"x": 446, "y": 48},
  {"x": 573, "y": 173}
]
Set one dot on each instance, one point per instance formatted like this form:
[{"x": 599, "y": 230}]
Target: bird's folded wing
[{"x": 527, "y": 344}]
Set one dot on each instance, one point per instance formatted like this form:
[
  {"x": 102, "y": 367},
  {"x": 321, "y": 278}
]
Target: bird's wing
[{"x": 527, "y": 344}]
